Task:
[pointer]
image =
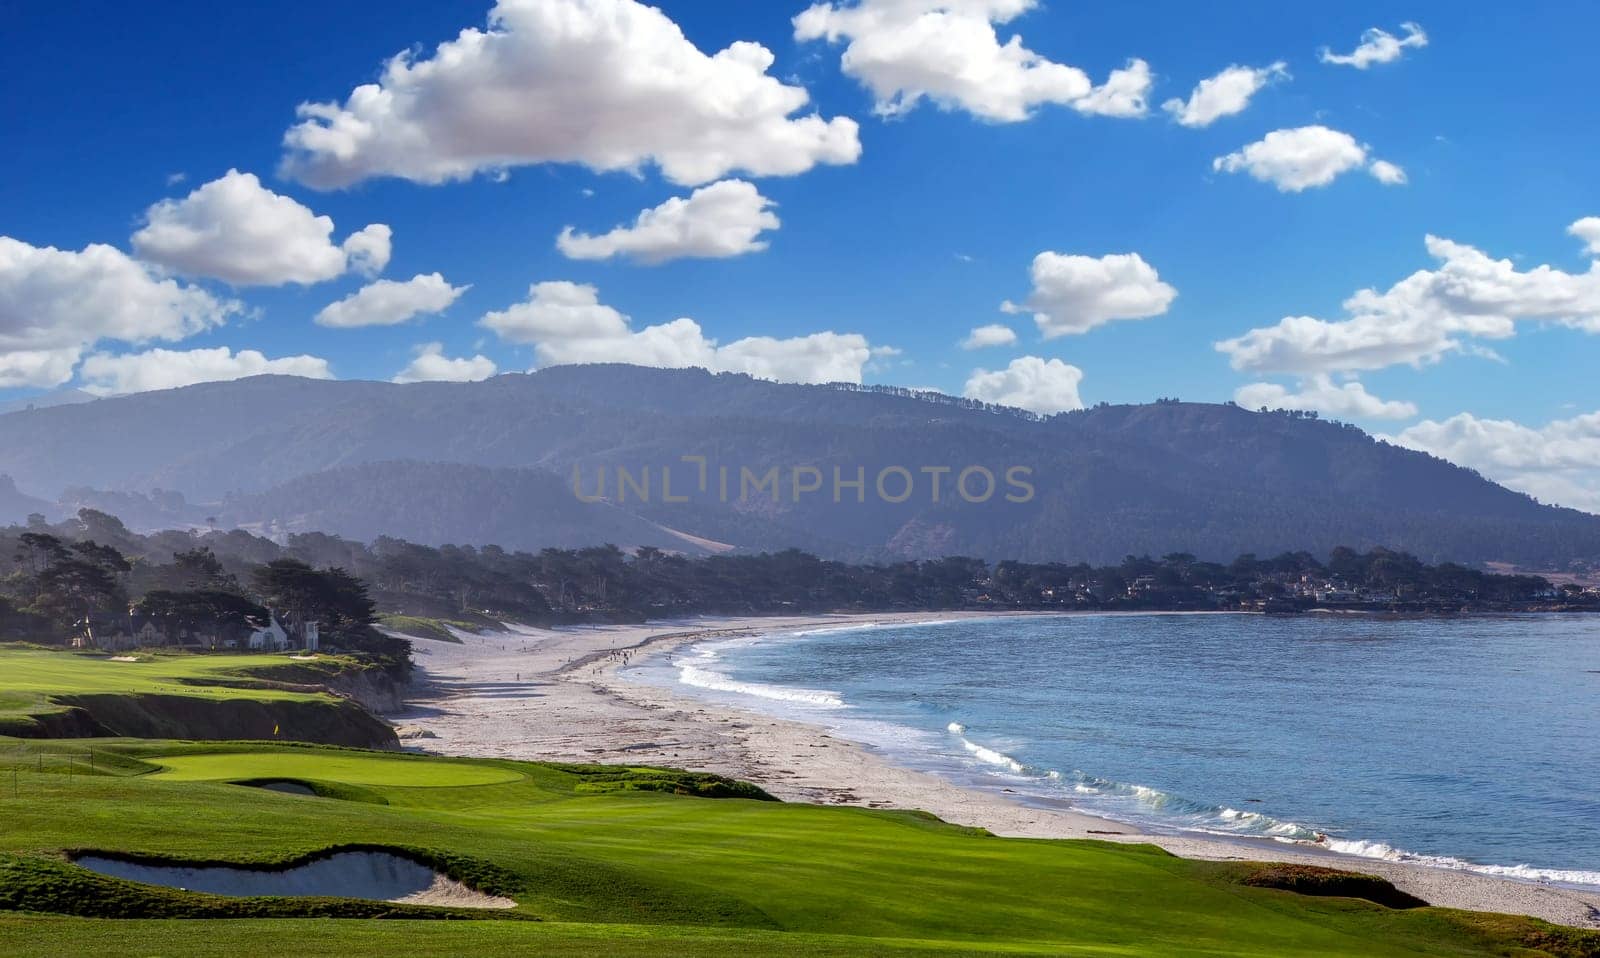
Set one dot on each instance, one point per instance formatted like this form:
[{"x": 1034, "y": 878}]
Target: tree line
[
  {"x": 57, "y": 580},
  {"x": 52, "y": 577}
]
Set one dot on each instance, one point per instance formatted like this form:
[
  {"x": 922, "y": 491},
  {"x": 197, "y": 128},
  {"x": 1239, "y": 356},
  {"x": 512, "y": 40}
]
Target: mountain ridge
[{"x": 1160, "y": 477}]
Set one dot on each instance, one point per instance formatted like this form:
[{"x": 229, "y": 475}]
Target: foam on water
[
  {"x": 1151, "y": 807},
  {"x": 695, "y": 670}
]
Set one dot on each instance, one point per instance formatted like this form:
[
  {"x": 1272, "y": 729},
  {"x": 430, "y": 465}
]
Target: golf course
[
  {"x": 54, "y": 694},
  {"x": 587, "y": 859}
]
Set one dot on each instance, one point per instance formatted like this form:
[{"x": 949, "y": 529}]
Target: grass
[
  {"x": 422, "y": 627},
  {"x": 606, "y": 868},
  {"x": 349, "y": 768},
  {"x": 33, "y": 676},
  {"x": 50, "y": 693}
]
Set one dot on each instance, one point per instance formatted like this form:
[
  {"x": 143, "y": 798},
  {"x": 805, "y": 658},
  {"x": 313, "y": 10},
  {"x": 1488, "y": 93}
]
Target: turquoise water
[{"x": 1463, "y": 742}]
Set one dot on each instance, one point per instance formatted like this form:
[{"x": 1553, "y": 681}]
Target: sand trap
[
  {"x": 288, "y": 788},
  {"x": 377, "y": 876},
  {"x": 124, "y": 658}
]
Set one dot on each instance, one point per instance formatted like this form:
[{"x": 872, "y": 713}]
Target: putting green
[{"x": 351, "y": 769}]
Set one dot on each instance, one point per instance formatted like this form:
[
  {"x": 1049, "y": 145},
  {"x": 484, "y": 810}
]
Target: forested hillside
[{"x": 494, "y": 462}]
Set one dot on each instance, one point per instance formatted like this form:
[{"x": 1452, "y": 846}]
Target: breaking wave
[
  {"x": 696, "y": 671},
  {"x": 1152, "y": 807}
]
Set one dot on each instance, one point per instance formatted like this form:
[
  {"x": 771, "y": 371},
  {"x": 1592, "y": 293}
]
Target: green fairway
[
  {"x": 46, "y": 693},
  {"x": 32, "y": 676},
  {"x": 611, "y": 862},
  {"x": 348, "y": 768}
]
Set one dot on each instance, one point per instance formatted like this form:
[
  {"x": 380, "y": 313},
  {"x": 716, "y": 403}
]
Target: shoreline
[{"x": 557, "y": 695}]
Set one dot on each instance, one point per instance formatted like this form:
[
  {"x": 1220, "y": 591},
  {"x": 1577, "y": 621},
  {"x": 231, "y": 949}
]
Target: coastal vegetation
[
  {"x": 55, "y": 577},
  {"x": 629, "y": 870},
  {"x": 91, "y": 583}
]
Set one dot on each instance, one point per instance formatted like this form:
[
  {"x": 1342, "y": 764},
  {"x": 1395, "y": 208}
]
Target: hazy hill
[
  {"x": 493, "y": 461},
  {"x": 15, "y": 506}
]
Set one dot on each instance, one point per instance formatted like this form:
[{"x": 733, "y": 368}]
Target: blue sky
[{"x": 898, "y": 237}]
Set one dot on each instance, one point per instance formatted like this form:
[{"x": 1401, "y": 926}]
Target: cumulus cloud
[
  {"x": 724, "y": 219},
  {"x": 55, "y": 304},
  {"x": 1124, "y": 94},
  {"x": 1558, "y": 463},
  {"x": 1425, "y": 316},
  {"x": 1037, "y": 385},
  {"x": 106, "y": 375},
  {"x": 1387, "y": 173},
  {"x": 1074, "y": 294},
  {"x": 390, "y": 303},
  {"x": 609, "y": 84},
  {"x": 1305, "y": 157},
  {"x": 994, "y": 334},
  {"x": 37, "y": 367},
  {"x": 947, "y": 51},
  {"x": 566, "y": 323},
  {"x": 1588, "y": 230},
  {"x": 1321, "y": 394},
  {"x": 236, "y": 230},
  {"x": 1379, "y": 46},
  {"x": 431, "y": 365},
  {"x": 1225, "y": 94}
]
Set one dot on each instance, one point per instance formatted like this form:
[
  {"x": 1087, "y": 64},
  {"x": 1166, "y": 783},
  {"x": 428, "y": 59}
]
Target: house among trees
[
  {"x": 273, "y": 637},
  {"x": 140, "y": 629},
  {"x": 118, "y": 633}
]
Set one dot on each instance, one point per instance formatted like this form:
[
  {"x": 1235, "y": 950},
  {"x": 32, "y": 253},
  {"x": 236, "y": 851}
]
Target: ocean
[{"x": 1469, "y": 742}]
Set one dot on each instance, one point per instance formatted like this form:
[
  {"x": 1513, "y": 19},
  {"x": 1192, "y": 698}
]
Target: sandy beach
[{"x": 555, "y": 694}]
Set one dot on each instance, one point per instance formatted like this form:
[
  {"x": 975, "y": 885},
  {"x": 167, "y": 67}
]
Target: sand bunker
[
  {"x": 288, "y": 788},
  {"x": 377, "y": 876}
]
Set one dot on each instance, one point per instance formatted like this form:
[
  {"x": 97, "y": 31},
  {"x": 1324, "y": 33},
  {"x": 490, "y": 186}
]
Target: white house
[
  {"x": 269, "y": 638},
  {"x": 273, "y": 637}
]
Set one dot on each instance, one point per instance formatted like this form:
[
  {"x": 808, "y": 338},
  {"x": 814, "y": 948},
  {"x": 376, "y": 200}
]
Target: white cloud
[
  {"x": 368, "y": 248},
  {"x": 390, "y": 303},
  {"x": 1225, "y": 94},
  {"x": 54, "y": 304},
  {"x": 1387, "y": 173},
  {"x": 431, "y": 365},
  {"x": 826, "y": 357},
  {"x": 1425, "y": 316},
  {"x": 37, "y": 367},
  {"x": 724, "y": 219},
  {"x": 1379, "y": 46},
  {"x": 994, "y": 334},
  {"x": 1588, "y": 230},
  {"x": 947, "y": 51},
  {"x": 557, "y": 310},
  {"x": 106, "y": 375},
  {"x": 1558, "y": 463},
  {"x": 1124, "y": 94},
  {"x": 1305, "y": 157},
  {"x": 610, "y": 84},
  {"x": 567, "y": 323},
  {"x": 1037, "y": 385},
  {"x": 1321, "y": 394},
  {"x": 236, "y": 230},
  {"x": 1074, "y": 294}
]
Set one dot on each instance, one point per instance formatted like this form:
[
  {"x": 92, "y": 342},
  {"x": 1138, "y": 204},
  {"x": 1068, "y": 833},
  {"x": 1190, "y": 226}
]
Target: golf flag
[{"x": 275, "y": 731}]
